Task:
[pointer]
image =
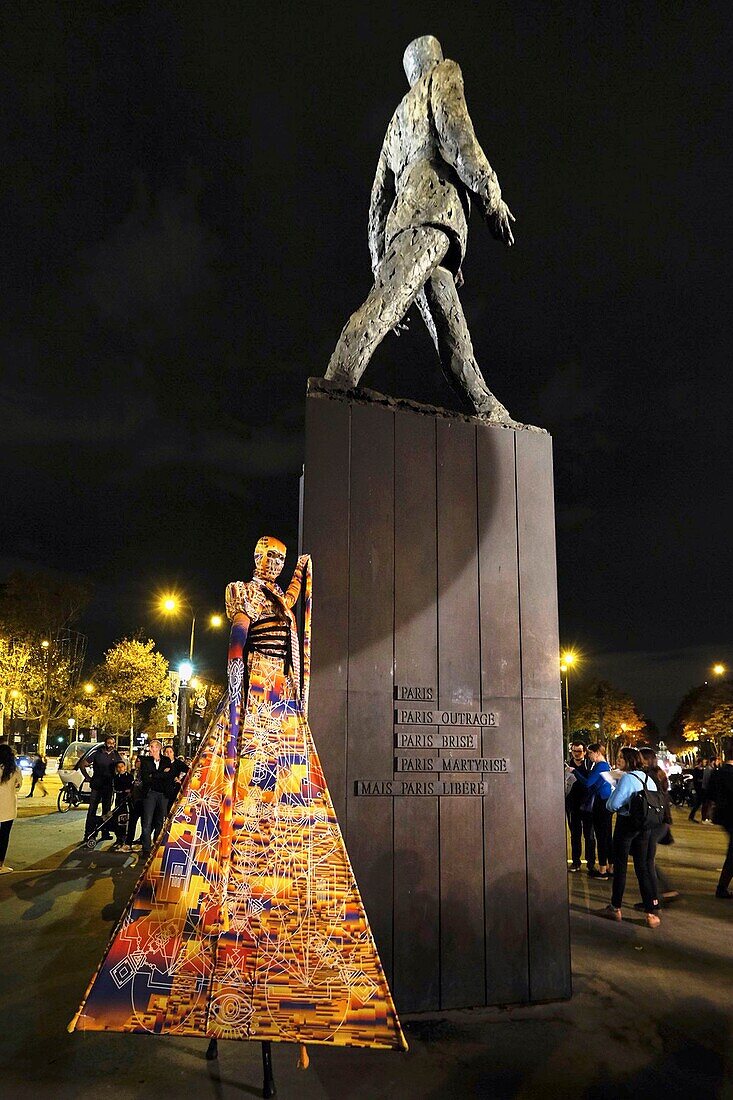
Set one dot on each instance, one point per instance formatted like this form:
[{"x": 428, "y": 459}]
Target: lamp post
[
  {"x": 185, "y": 671},
  {"x": 567, "y": 660},
  {"x": 172, "y": 604},
  {"x": 71, "y": 723}
]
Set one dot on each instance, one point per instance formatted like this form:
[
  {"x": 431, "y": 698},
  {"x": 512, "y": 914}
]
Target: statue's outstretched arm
[
  {"x": 293, "y": 593},
  {"x": 383, "y": 194},
  {"x": 460, "y": 148}
]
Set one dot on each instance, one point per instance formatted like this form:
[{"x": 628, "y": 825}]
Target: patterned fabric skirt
[{"x": 247, "y": 921}]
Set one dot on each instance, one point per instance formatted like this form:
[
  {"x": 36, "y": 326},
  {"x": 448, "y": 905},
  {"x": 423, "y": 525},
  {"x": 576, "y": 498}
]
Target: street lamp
[
  {"x": 71, "y": 722},
  {"x": 568, "y": 658},
  {"x": 719, "y": 670},
  {"x": 172, "y": 603},
  {"x": 185, "y": 671}
]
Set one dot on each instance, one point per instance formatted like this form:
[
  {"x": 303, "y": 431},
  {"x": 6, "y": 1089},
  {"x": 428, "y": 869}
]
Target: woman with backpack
[
  {"x": 663, "y": 833},
  {"x": 639, "y": 812}
]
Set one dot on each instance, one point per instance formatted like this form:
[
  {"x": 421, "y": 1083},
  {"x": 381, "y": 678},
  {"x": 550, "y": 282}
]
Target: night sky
[{"x": 184, "y": 234}]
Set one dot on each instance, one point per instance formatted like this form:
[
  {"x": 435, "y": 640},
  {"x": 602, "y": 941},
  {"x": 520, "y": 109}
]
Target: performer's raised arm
[{"x": 293, "y": 593}]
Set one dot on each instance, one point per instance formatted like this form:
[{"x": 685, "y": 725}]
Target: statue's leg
[
  {"x": 408, "y": 263},
  {"x": 453, "y": 342}
]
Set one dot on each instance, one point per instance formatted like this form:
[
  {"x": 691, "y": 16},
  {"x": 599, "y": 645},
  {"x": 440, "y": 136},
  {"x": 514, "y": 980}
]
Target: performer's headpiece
[
  {"x": 269, "y": 558},
  {"x": 420, "y": 56}
]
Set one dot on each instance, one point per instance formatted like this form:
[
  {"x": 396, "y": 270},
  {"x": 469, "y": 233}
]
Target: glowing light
[
  {"x": 45, "y": 643},
  {"x": 719, "y": 670},
  {"x": 169, "y": 604},
  {"x": 14, "y": 694},
  {"x": 185, "y": 671},
  {"x": 195, "y": 684},
  {"x": 569, "y": 658},
  {"x": 88, "y": 689},
  {"x": 216, "y": 621}
]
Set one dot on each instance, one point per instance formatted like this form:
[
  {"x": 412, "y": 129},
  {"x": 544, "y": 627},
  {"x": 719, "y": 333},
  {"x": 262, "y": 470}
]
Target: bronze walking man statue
[{"x": 429, "y": 166}]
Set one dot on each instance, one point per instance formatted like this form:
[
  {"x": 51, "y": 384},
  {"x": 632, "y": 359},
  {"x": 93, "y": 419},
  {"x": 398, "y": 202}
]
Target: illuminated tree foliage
[
  {"x": 133, "y": 673},
  {"x": 42, "y": 656},
  {"x": 704, "y": 717},
  {"x": 601, "y": 712}
]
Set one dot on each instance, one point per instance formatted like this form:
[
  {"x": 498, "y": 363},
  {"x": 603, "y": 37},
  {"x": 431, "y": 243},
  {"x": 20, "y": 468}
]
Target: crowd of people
[
  {"x": 139, "y": 794},
  {"x": 637, "y": 792}
]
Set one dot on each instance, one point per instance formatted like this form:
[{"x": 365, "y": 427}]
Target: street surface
[{"x": 651, "y": 1015}]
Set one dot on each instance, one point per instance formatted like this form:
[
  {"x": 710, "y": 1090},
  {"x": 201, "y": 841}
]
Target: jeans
[
  {"x": 154, "y": 809},
  {"x": 101, "y": 794},
  {"x": 603, "y": 828},
  {"x": 37, "y": 780},
  {"x": 5, "y": 827},
  {"x": 581, "y": 826},
  {"x": 642, "y": 844},
  {"x": 727, "y": 873}
]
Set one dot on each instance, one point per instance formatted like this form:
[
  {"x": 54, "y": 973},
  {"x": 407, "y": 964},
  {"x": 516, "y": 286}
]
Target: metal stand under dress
[{"x": 268, "y": 1081}]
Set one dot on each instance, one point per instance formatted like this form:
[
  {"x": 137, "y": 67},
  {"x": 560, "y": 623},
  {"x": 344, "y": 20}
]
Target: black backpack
[{"x": 646, "y": 808}]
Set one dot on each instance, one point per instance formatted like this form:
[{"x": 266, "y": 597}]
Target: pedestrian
[
  {"x": 707, "y": 774},
  {"x": 122, "y": 787},
  {"x": 179, "y": 767},
  {"x": 135, "y": 805},
  {"x": 579, "y": 809},
  {"x": 697, "y": 774},
  {"x": 104, "y": 761},
  {"x": 154, "y": 773},
  {"x": 721, "y": 795},
  {"x": 598, "y": 785},
  {"x": 11, "y": 780},
  {"x": 639, "y": 811},
  {"x": 663, "y": 834},
  {"x": 38, "y": 772}
]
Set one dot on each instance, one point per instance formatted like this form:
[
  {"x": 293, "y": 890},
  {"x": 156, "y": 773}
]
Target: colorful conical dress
[{"x": 247, "y": 922}]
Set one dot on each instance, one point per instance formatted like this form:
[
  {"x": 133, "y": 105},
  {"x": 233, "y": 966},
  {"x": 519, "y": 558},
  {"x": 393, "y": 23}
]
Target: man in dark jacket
[
  {"x": 179, "y": 767},
  {"x": 721, "y": 793},
  {"x": 155, "y": 772},
  {"x": 104, "y": 761},
  {"x": 579, "y": 806}
]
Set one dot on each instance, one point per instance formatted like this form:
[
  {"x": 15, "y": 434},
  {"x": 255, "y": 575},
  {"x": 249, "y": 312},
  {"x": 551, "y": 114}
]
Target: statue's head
[
  {"x": 420, "y": 56},
  {"x": 269, "y": 558}
]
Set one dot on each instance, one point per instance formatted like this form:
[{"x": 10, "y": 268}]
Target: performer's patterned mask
[{"x": 269, "y": 558}]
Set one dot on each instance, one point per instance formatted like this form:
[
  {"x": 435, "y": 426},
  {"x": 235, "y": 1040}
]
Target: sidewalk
[{"x": 651, "y": 1015}]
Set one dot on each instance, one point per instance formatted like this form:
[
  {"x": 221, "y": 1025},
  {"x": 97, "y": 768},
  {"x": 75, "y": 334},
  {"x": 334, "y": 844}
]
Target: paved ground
[{"x": 651, "y": 1015}]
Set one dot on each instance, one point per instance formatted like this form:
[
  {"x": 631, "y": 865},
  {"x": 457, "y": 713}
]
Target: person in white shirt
[{"x": 11, "y": 780}]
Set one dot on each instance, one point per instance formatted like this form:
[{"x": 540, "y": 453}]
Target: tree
[
  {"x": 604, "y": 713},
  {"x": 36, "y": 613},
  {"x": 14, "y": 657},
  {"x": 133, "y": 673},
  {"x": 704, "y": 717}
]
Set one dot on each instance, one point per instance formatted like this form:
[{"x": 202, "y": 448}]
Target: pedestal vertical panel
[
  {"x": 325, "y": 536},
  {"x": 371, "y": 657},
  {"x": 459, "y": 686},
  {"x": 549, "y": 942},
  {"x": 505, "y": 860},
  {"x": 416, "y": 872}
]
